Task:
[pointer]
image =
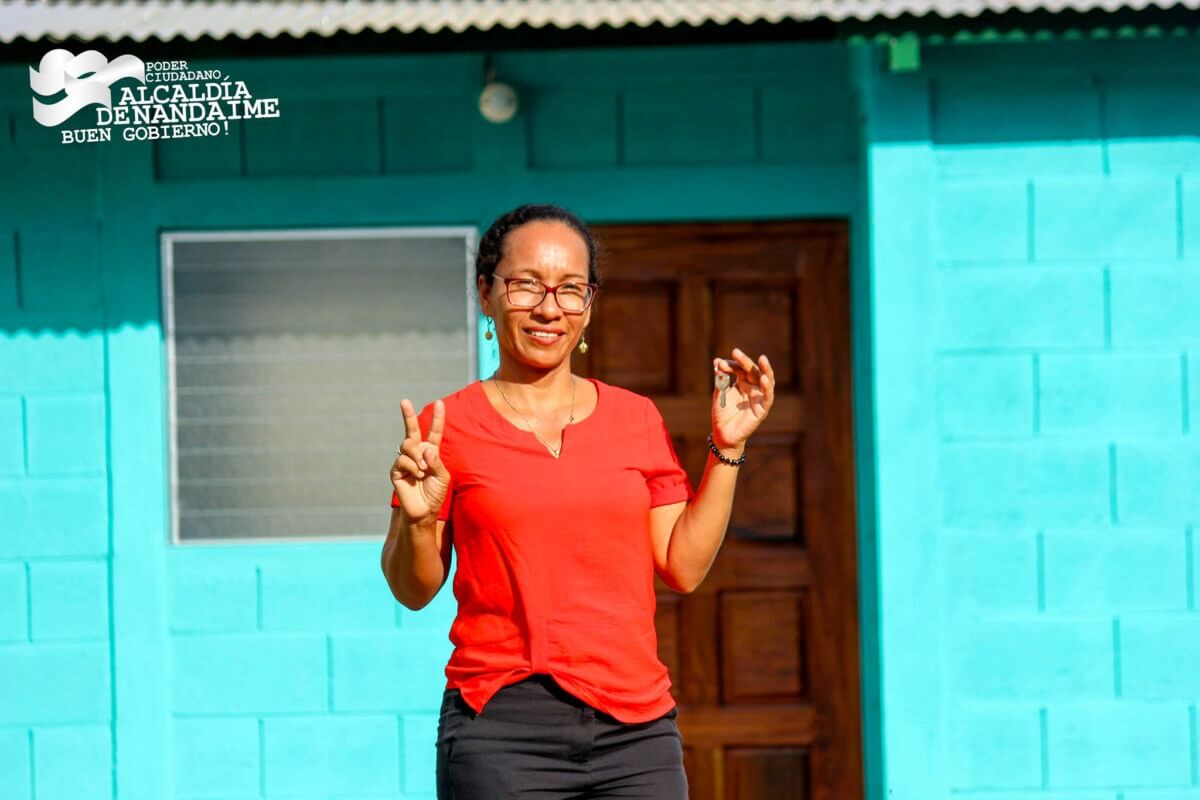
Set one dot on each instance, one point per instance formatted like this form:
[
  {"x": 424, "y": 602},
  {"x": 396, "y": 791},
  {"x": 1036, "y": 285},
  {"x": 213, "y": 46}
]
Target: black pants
[{"x": 535, "y": 739}]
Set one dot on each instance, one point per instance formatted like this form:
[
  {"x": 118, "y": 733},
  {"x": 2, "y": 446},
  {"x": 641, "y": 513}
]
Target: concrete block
[
  {"x": 67, "y": 435},
  {"x": 52, "y": 361},
  {"x": 1160, "y": 657},
  {"x": 1038, "y": 659},
  {"x": 300, "y": 760},
  {"x": 1040, "y": 483},
  {"x": 1111, "y": 393},
  {"x": 62, "y": 517},
  {"x": 12, "y": 436},
  {"x": 1124, "y": 744},
  {"x": 1019, "y": 307},
  {"x": 985, "y": 395},
  {"x": 993, "y": 571},
  {"x": 1115, "y": 571},
  {"x": 215, "y": 757},
  {"x": 1155, "y": 306},
  {"x": 73, "y": 763},
  {"x": 15, "y": 778},
  {"x": 389, "y": 672},
  {"x": 339, "y": 592},
  {"x": 1110, "y": 218},
  {"x": 993, "y": 747},
  {"x": 981, "y": 220},
  {"x": 14, "y": 605},
  {"x": 52, "y": 684},
  {"x": 212, "y": 591},
  {"x": 248, "y": 673},
  {"x": 70, "y": 600},
  {"x": 1157, "y": 480}
]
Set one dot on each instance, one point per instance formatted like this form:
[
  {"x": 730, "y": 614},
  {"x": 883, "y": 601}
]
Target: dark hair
[{"x": 491, "y": 246}]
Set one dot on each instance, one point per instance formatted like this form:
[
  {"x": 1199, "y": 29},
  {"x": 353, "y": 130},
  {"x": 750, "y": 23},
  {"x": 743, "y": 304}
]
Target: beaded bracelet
[{"x": 733, "y": 462}]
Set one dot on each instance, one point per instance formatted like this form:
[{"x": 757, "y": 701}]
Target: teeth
[{"x": 542, "y": 335}]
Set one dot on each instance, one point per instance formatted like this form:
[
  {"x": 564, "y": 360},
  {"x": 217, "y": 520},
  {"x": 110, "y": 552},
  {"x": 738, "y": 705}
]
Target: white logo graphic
[
  {"x": 164, "y": 99},
  {"x": 85, "y": 78}
]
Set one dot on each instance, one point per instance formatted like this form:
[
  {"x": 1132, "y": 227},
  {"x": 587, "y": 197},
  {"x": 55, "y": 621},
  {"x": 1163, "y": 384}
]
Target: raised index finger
[
  {"x": 438, "y": 423},
  {"x": 412, "y": 428}
]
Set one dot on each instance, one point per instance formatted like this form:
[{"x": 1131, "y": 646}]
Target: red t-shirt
[{"x": 555, "y": 572}]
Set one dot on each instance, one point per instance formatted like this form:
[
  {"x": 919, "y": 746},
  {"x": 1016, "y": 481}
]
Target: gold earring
[
  {"x": 583, "y": 345},
  {"x": 488, "y": 333}
]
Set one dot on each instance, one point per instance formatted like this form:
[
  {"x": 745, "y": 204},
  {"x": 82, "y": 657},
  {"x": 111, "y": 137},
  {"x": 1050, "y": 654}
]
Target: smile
[{"x": 544, "y": 336}]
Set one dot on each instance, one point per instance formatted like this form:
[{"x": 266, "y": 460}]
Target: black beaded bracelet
[{"x": 733, "y": 462}]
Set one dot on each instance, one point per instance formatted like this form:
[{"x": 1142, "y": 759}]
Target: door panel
[{"x": 764, "y": 654}]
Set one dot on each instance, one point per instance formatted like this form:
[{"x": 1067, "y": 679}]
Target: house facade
[{"x": 1022, "y": 261}]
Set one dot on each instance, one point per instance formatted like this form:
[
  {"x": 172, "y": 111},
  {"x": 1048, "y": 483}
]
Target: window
[{"x": 287, "y": 354}]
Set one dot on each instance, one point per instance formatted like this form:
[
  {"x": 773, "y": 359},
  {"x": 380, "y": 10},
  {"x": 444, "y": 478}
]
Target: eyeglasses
[{"x": 572, "y": 298}]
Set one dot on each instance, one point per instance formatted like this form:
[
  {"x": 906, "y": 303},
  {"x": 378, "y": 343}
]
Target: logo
[
  {"x": 85, "y": 78},
  {"x": 162, "y": 100}
]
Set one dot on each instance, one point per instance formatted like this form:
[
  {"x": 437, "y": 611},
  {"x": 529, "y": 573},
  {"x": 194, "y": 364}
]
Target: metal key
[{"x": 724, "y": 380}]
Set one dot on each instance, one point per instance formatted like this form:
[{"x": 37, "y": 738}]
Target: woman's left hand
[{"x": 748, "y": 399}]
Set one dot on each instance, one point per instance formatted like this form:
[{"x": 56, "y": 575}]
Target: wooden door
[{"x": 764, "y": 654}]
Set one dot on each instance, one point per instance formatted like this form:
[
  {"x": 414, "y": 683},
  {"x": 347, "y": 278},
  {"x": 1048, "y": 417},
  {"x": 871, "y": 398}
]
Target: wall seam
[
  {"x": 1193, "y": 746},
  {"x": 1044, "y": 735},
  {"x": 262, "y": 757},
  {"x": 32, "y": 766}
]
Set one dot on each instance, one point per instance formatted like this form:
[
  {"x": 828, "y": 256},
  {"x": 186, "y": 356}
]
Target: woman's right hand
[{"x": 419, "y": 475}]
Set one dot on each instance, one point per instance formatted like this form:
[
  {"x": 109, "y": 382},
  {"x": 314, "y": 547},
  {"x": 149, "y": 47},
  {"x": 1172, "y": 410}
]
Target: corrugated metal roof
[{"x": 170, "y": 19}]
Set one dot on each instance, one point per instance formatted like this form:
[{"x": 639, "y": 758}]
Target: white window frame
[{"x": 168, "y": 239}]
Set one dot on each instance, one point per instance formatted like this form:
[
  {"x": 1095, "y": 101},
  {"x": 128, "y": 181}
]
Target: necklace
[{"x": 570, "y": 419}]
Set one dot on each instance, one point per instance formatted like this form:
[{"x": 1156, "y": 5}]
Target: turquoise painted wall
[
  {"x": 1035, "y": 273},
  {"x": 131, "y": 668}
]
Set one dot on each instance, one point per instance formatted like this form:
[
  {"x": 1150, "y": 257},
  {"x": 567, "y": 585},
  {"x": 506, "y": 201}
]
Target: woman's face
[{"x": 543, "y": 336}]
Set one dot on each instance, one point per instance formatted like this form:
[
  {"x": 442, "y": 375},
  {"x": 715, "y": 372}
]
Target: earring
[
  {"x": 583, "y": 345},
  {"x": 488, "y": 333}
]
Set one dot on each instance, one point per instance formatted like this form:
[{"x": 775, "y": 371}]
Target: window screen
[{"x": 288, "y": 354}]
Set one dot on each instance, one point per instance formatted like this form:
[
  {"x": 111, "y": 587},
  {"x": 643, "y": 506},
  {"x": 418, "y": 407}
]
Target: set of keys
[{"x": 724, "y": 381}]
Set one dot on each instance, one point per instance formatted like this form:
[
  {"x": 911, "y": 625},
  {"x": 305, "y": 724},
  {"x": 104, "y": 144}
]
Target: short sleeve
[
  {"x": 665, "y": 476},
  {"x": 423, "y": 420}
]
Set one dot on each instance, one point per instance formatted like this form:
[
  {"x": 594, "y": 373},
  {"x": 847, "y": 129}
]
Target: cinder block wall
[
  {"x": 294, "y": 667},
  {"x": 55, "y": 610},
  {"x": 1036, "y": 206},
  {"x": 133, "y": 668}
]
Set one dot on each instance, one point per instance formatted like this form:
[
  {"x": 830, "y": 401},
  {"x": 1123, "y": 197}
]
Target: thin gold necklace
[{"x": 570, "y": 419}]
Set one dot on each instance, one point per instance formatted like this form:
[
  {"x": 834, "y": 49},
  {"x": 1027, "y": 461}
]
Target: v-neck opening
[{"x": 519, "y": 434}]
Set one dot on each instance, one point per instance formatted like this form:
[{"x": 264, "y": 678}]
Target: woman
[{"x": 563, "y": 498}]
